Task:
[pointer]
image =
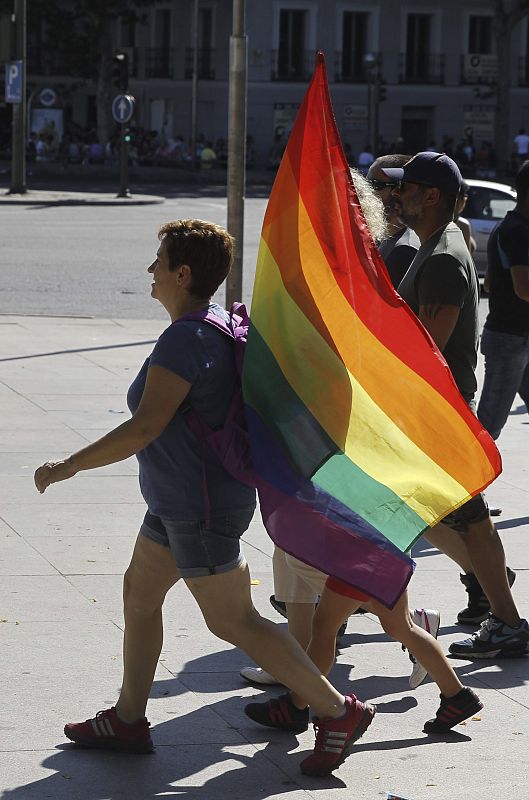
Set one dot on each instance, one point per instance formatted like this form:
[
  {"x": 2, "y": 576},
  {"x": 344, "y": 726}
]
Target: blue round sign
[{"x": 123, "y": 108}]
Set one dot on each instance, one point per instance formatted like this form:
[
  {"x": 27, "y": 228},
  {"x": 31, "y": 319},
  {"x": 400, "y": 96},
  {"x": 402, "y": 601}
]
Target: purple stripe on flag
[{"x": 313, "y": 526}]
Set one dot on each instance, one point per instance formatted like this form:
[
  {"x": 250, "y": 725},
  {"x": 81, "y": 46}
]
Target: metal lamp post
[
  {"x": 237, "y": 148},
  {"x": 371, "y": 65}
]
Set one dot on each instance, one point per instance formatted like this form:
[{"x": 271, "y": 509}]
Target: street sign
[
  {"x": 14, "y": 82},
  {"x": 122, "y": 108},
  {"x": 48, "y": 97}
]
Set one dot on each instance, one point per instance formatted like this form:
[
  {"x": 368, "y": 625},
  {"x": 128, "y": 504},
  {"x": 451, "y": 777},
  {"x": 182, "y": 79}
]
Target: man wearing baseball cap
[{"x": 441, "y": 287}]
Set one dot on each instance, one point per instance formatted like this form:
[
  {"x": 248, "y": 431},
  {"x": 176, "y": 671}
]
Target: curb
[{"x": 43, "y": 198}]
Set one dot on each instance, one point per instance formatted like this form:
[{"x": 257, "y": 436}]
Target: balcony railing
[
  {"x": 159, "y": 62},
  {"x": 416, "y": 68},
  {"x": 287, "y": 66},
  {"x": 205, "y": 66},
  {"x": 350, "y": 70}
]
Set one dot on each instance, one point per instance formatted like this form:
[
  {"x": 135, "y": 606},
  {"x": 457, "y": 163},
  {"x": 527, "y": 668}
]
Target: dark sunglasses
[{"x": 379, "y": 185}]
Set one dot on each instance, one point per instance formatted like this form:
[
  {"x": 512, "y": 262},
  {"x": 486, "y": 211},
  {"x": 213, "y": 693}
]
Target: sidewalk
[
  {"x": 45, "y": 197},
  {"x": 62, "y": 556}
]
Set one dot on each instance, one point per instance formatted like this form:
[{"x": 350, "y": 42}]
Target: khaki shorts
[{"x": 295, "y": 581}]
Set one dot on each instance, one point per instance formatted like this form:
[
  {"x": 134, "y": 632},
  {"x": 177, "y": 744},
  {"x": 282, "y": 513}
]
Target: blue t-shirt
[{"x": 171, "y": 468}]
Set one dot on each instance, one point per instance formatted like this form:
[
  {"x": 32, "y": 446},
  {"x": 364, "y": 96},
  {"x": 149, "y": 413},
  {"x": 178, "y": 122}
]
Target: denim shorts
[
  {"x": 199, "y": 550},
  {"x": 474, "y": 510}
]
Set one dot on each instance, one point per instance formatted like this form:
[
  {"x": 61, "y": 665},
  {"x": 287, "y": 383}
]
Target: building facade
[{"x": 409, "y": 73}]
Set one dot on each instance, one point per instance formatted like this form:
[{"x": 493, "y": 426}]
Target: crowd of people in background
[
  {"x": 476, "y": 158},
  {"x": 146, "y": 148}
]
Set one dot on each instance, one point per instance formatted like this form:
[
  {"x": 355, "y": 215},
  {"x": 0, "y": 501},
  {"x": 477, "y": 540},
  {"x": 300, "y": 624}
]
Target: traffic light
[
  {"x": 382, "y": 93},
  {"x": 120, "y": 71},
  {"x": 127, "y": 136}
]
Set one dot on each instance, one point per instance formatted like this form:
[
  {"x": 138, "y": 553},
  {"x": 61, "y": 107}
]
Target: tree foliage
[{"x": 79, "y": 34}]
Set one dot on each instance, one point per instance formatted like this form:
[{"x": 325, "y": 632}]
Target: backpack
[{"x": 231, "y": 443}]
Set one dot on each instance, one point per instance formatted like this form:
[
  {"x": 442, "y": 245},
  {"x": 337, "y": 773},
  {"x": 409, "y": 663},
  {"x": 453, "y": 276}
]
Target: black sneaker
[
  {"x": 279, "y": 606},
  {"x": 478, "y": 607},
  {"x": 454, "y": 710},
  {"x": 494, "y": 638},
  {"x": 279, "y": 713}
]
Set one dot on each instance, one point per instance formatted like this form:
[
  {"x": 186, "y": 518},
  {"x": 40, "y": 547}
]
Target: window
[
  {"x": 480, "y": 39},
  {"x": 484, "y": 203},
  {"x": 163, "y": 28},
  {"x": 159, "y": 62},
  {"x": 127, "y": 36},
  {"x": 205, "y": 43},
  {"x": 205, "y": 39},
  {"x": 291, "y": 55},
  {"x": 418, "y": 45},
  {"x": 354, "y": 44}
]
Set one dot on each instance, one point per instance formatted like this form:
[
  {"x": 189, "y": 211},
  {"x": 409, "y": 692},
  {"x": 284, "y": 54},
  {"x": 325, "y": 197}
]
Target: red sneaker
[
  {"x": 335, "y": 737},
  {"x": 107, "y": 731}
]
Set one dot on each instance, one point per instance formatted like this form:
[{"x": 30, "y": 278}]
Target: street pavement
[{"x": 62, "y": 384}]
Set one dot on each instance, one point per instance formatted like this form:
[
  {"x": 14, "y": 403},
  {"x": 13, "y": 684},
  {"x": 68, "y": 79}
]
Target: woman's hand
[{"x": 53, "y": 472}]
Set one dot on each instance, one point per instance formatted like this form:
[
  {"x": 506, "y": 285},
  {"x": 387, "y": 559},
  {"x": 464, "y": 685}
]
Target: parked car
[{"x": 487, "y": 204}]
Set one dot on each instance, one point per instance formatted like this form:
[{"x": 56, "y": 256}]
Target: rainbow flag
[{"x": 360, "y": 437}]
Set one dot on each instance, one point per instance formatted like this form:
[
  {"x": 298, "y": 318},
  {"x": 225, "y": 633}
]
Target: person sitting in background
[{"x": 208, "y": 156}]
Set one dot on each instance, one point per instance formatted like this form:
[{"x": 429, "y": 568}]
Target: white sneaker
[
  {"x": 257, "y": 675},
  {"x": 428, "y": 620}
]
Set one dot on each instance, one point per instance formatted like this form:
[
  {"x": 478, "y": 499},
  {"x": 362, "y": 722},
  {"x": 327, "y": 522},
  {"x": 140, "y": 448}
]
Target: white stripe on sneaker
[
  {"x": 110, "y": 731},
  {"x": 95, "y": 728}
]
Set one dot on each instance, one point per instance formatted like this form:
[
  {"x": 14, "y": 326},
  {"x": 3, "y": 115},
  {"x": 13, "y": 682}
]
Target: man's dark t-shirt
[
  {"x": 508, "y": 247},
  {"x": 443, "y": 273},
  {"x": 398, "y": 252}
]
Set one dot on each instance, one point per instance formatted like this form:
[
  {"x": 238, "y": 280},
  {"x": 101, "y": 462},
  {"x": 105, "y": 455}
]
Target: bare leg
[
  {"x": 427, "y": 650},
  {"x": 226, "y": 604},
  {"x": 397, "y": 623},
  {"x": 451, "y": 543},
  {"x": 300, "y": 622},
  {"x": 488, "y": 565},
  {"x": 332, "y": 609},
  {"x": 151, "y": 573}
]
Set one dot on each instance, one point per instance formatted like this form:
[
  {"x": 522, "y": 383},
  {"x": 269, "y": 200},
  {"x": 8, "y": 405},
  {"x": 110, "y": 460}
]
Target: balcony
[
  {"x": 418, "y": 68},
  {"x": 159, "y": 62},
  {"x": 350, "y": 70},
  {"x": 290, "y": 66},
  {"x": 206, "y": 64}
]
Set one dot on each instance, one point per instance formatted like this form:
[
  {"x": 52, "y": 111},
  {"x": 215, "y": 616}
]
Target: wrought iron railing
[
  {"x": 159, "y": 62},
  {"x": 292, "y": 66},
  {"x": 421, "y": 68},
  {"x": 205, "y": 63}
]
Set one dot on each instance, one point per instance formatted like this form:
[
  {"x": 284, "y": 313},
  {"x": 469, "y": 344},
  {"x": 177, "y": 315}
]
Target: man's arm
[
  {"x": 520, "y": 281},
  {"x": 440, "y": 321}
]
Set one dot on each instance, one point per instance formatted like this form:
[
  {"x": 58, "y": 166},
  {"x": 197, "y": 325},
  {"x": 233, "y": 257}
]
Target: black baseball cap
[{"x": 430, "y": 169}]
